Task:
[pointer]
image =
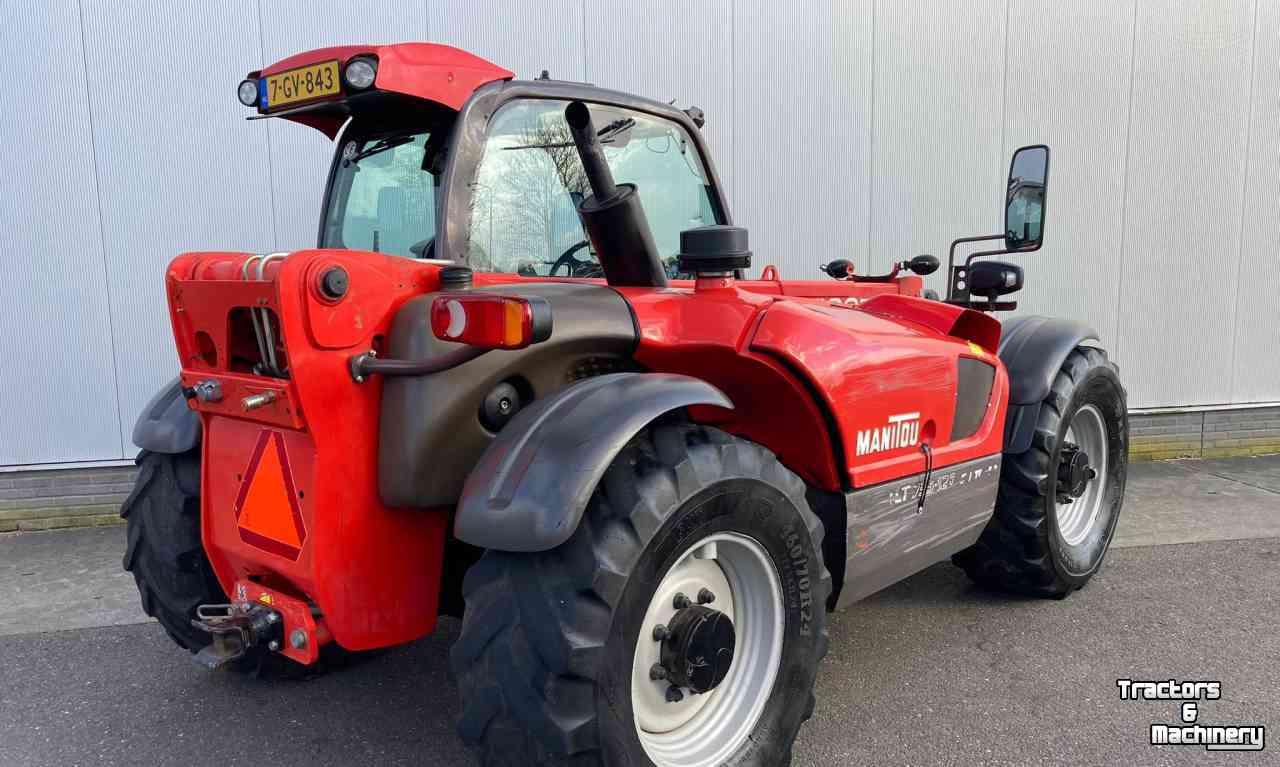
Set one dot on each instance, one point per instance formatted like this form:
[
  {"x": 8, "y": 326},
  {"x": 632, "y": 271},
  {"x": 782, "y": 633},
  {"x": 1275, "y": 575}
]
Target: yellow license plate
[{"x": 302, "y": 84}]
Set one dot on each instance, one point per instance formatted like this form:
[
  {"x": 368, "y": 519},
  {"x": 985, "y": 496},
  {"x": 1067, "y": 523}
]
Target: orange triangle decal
[{"x": 267, "y": 507}]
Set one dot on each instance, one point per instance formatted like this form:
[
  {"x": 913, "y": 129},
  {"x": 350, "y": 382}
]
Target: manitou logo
[{"x": 903, "y": 430}]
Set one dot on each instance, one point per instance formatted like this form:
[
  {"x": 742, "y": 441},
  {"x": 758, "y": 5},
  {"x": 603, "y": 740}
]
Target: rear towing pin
[{"x": 236, "y": 628}]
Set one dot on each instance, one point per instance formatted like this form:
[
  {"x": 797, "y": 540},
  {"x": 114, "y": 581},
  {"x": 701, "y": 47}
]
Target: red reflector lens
[{"x": 492, "y": 322}]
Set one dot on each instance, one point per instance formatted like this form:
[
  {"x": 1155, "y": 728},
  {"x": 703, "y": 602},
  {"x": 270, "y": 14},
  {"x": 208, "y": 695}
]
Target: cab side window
[{"x": 524, "y": 216}]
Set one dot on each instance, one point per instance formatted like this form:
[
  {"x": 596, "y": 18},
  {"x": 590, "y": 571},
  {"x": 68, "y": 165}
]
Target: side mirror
[
  {"x": 1025, "y": 198},
  {"x": 923, "y": 265}
]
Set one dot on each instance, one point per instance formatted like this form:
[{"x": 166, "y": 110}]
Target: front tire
[
  {"x": 1048, "y": 535},
  {"x": 551, "y": 641}
]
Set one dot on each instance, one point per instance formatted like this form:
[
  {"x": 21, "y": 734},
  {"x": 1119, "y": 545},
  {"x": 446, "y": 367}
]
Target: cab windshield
[
  {"x": 383, "y": 195},
  {"x": 529, "y": 182}
]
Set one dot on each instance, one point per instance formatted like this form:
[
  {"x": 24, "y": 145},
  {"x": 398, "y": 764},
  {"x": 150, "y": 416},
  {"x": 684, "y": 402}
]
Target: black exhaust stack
[{"x": 612, "y": 215}]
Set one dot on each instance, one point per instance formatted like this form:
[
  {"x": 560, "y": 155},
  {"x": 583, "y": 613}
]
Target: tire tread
[
  {"x": 534, "y": 633},
  {"x": 1013, "y": 554}
]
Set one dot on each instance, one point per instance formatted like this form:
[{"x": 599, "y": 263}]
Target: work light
[
  {"x": 360, "y": 73},
  {"x": 248, "y": 92}
]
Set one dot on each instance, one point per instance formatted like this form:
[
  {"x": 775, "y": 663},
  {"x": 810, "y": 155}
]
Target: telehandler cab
[{"x": 524, "y": 380}]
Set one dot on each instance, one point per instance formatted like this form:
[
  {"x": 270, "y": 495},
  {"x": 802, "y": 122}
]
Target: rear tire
[
  {"x": 1035, "y": 543},
  {"x": 546, "y": 660},
  {"x": 165, "y": 552}
]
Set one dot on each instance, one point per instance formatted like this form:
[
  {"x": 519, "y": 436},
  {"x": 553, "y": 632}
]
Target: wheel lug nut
[
  {"x": 674, "y": 695},
  {"x": 705, "y": 597},
  {"x": 680, "y": 602},
  {"x": 660, "y": 633},
  {"x": 657, "y": 672}
]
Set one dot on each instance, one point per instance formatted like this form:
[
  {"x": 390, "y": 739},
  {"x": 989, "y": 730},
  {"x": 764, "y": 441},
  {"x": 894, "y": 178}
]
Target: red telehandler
[{"x": 524, "y": 380}]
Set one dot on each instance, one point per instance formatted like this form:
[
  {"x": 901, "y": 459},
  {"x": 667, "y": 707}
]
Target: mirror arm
[
  {"x": 953, "y": 294},
  {"x": 951, "y": 258},
  {"x": 1001, "y": 252}
]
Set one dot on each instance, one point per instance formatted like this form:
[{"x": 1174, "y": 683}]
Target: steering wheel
[{"x": 576, "y": 267}]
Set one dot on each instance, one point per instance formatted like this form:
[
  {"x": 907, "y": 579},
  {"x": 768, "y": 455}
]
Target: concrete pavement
[{"x": 929, "y": 672}]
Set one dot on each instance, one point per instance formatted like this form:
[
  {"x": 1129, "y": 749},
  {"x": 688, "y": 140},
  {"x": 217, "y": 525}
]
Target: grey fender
[
  {"x": 532, "y": 484},
  {"x": 166, "y": 424},
  {"x": 1033, "y": 350}
]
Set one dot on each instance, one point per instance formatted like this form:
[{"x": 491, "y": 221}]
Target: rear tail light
[{"x": 491, "y": 321}]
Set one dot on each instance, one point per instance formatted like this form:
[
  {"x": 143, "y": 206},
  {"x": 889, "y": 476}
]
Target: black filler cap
[
  {"x": 715, "y": 248},
  {"x": 334, "y": 283},
  {"x": 455, "y": 278}
]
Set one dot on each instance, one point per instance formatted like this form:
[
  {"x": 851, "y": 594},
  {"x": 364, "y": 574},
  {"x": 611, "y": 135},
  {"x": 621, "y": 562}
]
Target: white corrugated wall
[{"x": 867, "y": 129}]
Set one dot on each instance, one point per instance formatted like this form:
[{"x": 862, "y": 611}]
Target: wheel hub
[
  {"x": 1080, "y": 487},
  {"x": 704, "y": 666},
  {"x": 1074, "y": 473},
  {"x": 698, "y": 648}
]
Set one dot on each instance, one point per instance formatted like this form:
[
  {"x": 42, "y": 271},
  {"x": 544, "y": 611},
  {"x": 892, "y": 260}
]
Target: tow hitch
[
  {"x": 260, "y": 617},
  {"x": 236, "y": 628}
]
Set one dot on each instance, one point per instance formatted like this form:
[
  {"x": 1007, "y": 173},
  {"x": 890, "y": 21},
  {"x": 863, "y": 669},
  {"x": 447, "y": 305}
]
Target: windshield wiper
[
  {"x": 610, "y": 131},
  {"x": 379, "y": 147},
  {"x": 606, "y": 134}
]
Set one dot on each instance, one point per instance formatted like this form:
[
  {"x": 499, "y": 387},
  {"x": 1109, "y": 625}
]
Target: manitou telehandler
[{"x": 523, "y": 379}]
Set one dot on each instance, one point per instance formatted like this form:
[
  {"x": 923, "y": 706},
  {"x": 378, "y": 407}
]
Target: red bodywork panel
[
  {"x": 375, "y": 570},
  {"x": 439, "y": 73},
  {"x": 868, "y": 369},
  {"x": 806, "y": 375}
]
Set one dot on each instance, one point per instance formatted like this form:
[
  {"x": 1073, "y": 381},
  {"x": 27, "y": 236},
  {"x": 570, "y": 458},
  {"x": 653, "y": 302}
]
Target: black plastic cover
[
  {"x": 1033, "y": 350},
  {"x": 431, "y": 430},
  {"x": 531, "y": 486},
  {"x": 166, "y": 424},
  {"x": 974, "y": 380}
]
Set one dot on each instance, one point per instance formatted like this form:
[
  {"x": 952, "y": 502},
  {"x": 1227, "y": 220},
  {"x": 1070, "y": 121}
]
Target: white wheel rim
[
  {"x": 704, "y": 730},
  {"x": 1075, "y": 520}
]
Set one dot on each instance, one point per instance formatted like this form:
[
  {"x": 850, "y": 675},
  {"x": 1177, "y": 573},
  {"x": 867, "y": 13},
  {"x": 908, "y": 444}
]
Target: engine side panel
[
  {"x": 706, "y": 335},
  {"x": 430, "y": 433},
  {"x": 892, "y": 386}
]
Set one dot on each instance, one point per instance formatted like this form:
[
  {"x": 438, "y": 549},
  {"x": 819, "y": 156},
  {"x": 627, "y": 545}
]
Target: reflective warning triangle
[{"x": 267, "y": 505}]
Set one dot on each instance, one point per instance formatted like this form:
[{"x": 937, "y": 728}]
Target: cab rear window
[{"x": 383, "y": 199}]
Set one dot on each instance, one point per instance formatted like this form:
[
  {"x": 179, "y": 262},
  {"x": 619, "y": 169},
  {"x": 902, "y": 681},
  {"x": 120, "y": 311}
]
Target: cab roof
[{"x": 429, "y": 71}]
